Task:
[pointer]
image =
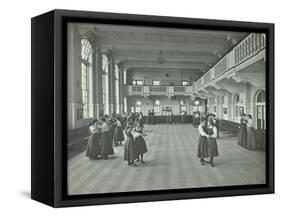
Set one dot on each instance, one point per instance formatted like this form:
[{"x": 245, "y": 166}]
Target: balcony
[
  {"x": 247, "y": 52},
  {"x": 146, "y": 90}
]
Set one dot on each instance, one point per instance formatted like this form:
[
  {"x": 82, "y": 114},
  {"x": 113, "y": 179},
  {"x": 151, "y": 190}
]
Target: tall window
[
  {"x": 261, "y": 113},
  {"x": 222, "y": 100},
  {"x": 239, "y": 108},
  {"x": 182, "y": 106},
  {"x": 105, "y": 88},
  {"x": 156, "y": 106},
  {"x": 124, "y": 77},
  {"x": 86, "y": 55}
]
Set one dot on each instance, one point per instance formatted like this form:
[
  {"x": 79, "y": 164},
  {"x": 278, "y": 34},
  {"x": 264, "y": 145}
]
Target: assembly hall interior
[{"x": 167, "y": 75}]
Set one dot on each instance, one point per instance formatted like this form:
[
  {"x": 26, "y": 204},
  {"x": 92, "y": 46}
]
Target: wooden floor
[{"x": 170, "y": 163}]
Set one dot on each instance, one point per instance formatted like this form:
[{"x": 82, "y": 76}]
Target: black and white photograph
[{"x": 154, "y": 108}]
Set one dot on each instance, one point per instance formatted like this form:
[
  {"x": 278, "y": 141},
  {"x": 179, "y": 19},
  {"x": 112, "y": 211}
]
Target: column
[
  {"x": 97, "y": 82},
  {"x": 111, "y": 78},
  {"x": 121, "y": 89},
  {"x": 74, "y": 93}
]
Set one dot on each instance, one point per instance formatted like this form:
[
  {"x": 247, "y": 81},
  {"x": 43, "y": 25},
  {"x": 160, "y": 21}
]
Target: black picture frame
[{"x": 48, "y": 108}]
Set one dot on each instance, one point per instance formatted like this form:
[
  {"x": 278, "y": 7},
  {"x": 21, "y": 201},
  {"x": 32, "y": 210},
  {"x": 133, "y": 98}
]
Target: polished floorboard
[{"x": 171, "y": 163}]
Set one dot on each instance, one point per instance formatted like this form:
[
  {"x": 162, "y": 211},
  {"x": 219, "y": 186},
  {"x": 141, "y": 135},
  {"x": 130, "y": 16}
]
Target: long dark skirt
[
  {"x": 212, "y": 147},
  {"x": 118, "y": 135},
  {"x": 242, "y": 137},
  {"x": 141, "y": 145},
  {"x": 194, "y": 122},
  {"x": 203, "y": 151},
  {"x": 111, "y": 131},
  {"x": 130, "y": 153},
  {"x": 251, "y": 139},
  {"x": 106, "y": 145},
  {"x": 94, "y": 147}
]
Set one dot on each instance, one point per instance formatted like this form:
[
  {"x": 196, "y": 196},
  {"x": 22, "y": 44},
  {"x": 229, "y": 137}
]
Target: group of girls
[
  {"x": 246, "y": 136},
  {"x": 107, "y": 132},
  {"x": 104, "y": 133},
  {"x": 207, "y": 145}
]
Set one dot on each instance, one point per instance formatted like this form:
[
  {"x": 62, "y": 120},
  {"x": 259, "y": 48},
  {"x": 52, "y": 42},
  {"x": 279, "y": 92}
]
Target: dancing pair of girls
[
  {"x": 207, "y": 146},
  {"x": 135, "y": 145},
  {"x": 99, "y": 143}
]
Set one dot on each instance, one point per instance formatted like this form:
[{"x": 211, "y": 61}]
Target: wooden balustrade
[
  {"x": 250, "y": 46},
  {"x": 220, "y": 67},
  {"x": 137, "y": 88},
  {"x": 180, "y": 89},
  {"x": 157, "y": 90}
]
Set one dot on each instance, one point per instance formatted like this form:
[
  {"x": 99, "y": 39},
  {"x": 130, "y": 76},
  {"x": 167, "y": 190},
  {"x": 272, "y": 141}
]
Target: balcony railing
[
  {"x": 247, "y": 48},
  {"x": 162, "y": 90}
]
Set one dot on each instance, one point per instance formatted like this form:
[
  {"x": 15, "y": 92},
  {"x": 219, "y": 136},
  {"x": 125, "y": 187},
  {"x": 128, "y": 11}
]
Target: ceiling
[{"x": 141, "y": 48}]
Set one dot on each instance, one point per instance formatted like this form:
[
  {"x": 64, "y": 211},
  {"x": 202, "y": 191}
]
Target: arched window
[
  {"x": 86, "y": 49},
  {"x": 105, "y": 87},
  {"x": 261, "y": 96},
  {"x": 86, "y": 65},
  {"x": 223, "y": 107},
  {"x": 261, "y": 114},
  {"x": 236, "y": 105}
]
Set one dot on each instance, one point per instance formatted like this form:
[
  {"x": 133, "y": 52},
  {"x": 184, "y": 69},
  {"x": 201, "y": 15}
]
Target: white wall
[
  {"x": 175, "y": 78},
  {"x": 247, "y": 96},
  {"x": 147, "y": 103},
  {"x": 15, "y": 107}
]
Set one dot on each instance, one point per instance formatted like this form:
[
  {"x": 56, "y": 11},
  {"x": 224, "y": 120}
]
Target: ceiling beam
[
  {"x": 163, "y": 46},
  {"x": 168, "y": 57},
  {"x": 164, "y": 65},
  {"x": 140, "y": 69},
  {"x": 104, "y": 29}
]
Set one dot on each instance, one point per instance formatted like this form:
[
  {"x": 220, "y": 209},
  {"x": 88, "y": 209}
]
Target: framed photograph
[
  {"x": 241, "y": 110},
  {"x": 124, "y": 108}
]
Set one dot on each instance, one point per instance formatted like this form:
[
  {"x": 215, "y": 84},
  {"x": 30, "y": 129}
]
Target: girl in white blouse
[{"x": 202, "y": 143}]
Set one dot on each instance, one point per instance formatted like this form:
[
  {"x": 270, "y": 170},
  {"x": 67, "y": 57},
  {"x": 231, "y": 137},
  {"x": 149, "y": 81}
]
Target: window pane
[
  {"x": 156, "y": 109},
  {"x": 155, "y": 83},
  {"x": 85, "y": 49}
]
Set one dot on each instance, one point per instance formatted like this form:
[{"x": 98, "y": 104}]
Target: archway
[
  {"x": 260, "y": 110},
  {"x": 238, "y": 109}
]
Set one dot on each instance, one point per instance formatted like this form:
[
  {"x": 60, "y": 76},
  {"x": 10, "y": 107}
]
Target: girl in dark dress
[
  {"x": 212, "y": 141},
  {"x": 112, "y": 128},
  {"x": 130, "y": 153},
  {"x": 106, "y": 142},
  {"x": 94, "y": 147},
  {"x": 140, "y": 142},
  {"x": 251, "y": 134},
  {"x": 124, "y": 121},
  {"x": 242, "y": 137},
  {"x": 202, "y": 143},
  {"x": 118, "y": 133}
]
